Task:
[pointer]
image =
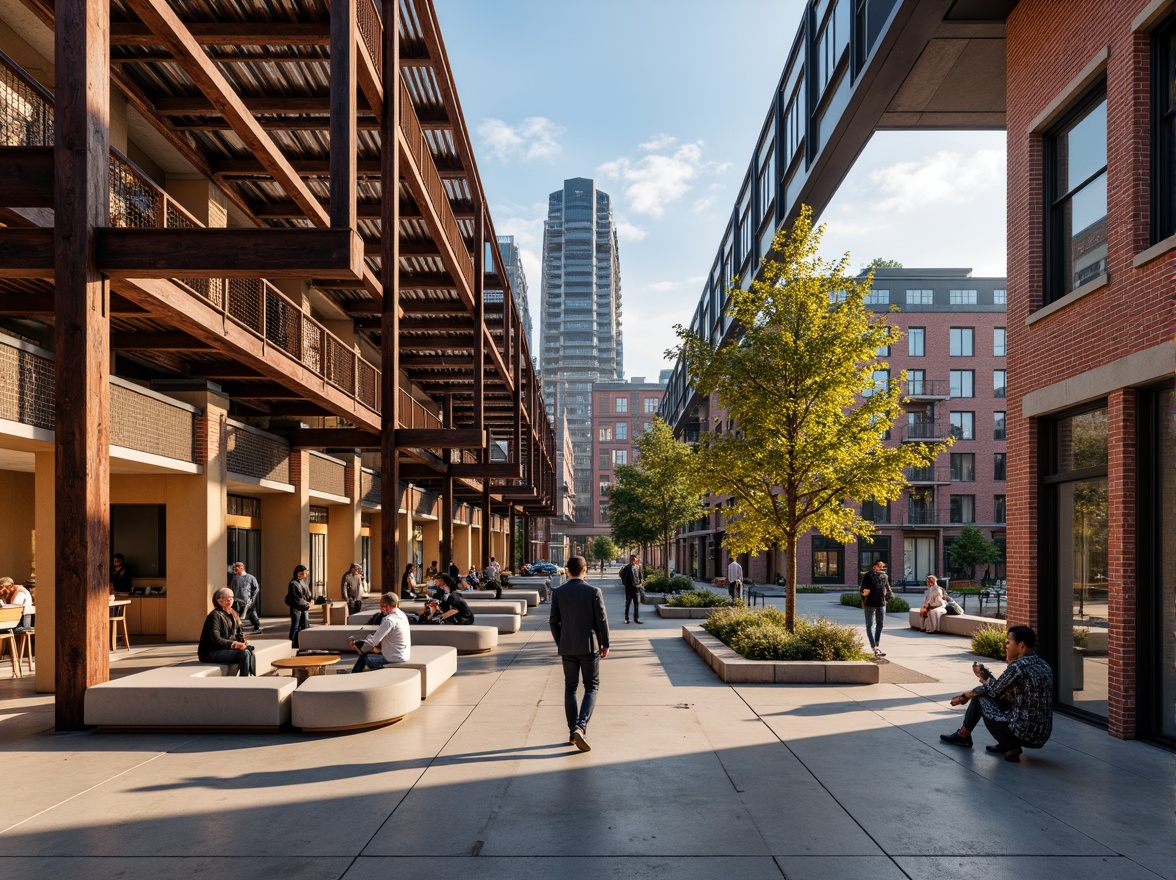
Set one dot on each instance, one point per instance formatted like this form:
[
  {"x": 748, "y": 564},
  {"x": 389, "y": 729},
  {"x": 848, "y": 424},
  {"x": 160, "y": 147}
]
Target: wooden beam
[
  {"x": 166, "y": 25},
  {"x": 442, "y": 438},
  {"x": 313, "y": 105},
  {"x": 343, "y": 164},
  {"x": 79, "y": 611},
  {"x": 26, "y": 252},
  {"x": 306, "y": 167},
  {"x": 26, "y": 177},
  {"x": 27, "y": 305},
  {"x": 504, "y": 470},
  {"x": 238, "y": 252},
  {"x": 133, "y": 33},
  {"x": 431, "y": 325},
  {"x": 331, "y": 438},
  {"x": 390, "y": 96},
  {"x": 427, "y": 362}
]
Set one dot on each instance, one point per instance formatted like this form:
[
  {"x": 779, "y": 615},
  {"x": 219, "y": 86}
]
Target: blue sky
[{"x": 661, "y": 101}]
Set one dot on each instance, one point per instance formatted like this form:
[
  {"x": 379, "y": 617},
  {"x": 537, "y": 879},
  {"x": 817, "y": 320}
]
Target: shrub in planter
[
  {"x": 679, "y": 583},
  {"x": 762, "y": 635},
  {"x": 990, "y": 642},
  {"x": 809, "y": 588},
  {"x": 765, "y": 641},
  {"x": 897, "y": 605},
  {"x": 659, "y": 583},
  {"x": 829, "y": 640},
  {"x": 698, "y": 599},
  {"x": 652, "y": 571}
]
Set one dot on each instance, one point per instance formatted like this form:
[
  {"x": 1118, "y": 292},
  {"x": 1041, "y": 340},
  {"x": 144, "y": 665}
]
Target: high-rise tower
[{"x": 581, "y": 320}]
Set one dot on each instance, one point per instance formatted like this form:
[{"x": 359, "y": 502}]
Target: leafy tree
[
  {"x": 603, "y": 548},
  {"x": 971, "y": 548},
  {"x": 798, "y": 380},
  {"x": 883, "y": 263},
  {"x": 657, "y": 494}
]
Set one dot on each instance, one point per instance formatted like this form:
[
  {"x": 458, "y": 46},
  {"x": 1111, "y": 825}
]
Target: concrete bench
[
  {"x": 436, "y": 664},
  {"x": 532, "y": 596},
  {"x": 326, "y": 703},
  {"x": 190, "y": 696},
  {"x": 478, "y": 606},
  {"x": 333, "y": 612},
  {"x": 957, "y": 624},
  {"x": 503, "y": 622},
  {"x": 466, "y": 639},
  {"x": 542, "y": 583}
]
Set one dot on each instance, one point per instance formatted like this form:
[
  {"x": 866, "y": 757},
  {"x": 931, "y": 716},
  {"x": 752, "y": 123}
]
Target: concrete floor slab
[{"x": 688, "y": 778}]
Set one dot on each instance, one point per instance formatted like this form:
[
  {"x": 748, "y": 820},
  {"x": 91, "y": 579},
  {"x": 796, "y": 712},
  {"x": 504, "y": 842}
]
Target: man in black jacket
[
  {"x": 579, "y": 626},
  {"x": 632, "y": 578},
  {"x": 453, "y": 606},
  {"x": 875, "y": 591}
]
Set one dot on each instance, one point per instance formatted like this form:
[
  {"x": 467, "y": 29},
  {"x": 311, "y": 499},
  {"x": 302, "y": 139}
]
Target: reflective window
[
  {"x": 1164, "y": 126},
  {"x": 916, "y": 337},
  {"x": 920, "y": 297},
  {"x": 962, "y": 341},
  {"x": 963, "y": 467},
  {"x": 963, "y": 425},
  {"x": 999, "y": 514},
  {"x": 999, "y": 383},
  {"x": 962, "y": 383},
  {"x": 999, "y": 297},
  {"x": 962, "y": 297},
  {"x": 1078, "y": 208},
  {"x": 1000, "y": 466},
  {"x": 963, "y": 508},
  {"x": 998, "y": 342},
  {"x": 998, "y": 425}
]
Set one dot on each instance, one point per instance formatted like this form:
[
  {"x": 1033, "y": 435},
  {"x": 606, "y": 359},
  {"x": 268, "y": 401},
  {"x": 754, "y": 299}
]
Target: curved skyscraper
[{"x": 581, "y": 320}]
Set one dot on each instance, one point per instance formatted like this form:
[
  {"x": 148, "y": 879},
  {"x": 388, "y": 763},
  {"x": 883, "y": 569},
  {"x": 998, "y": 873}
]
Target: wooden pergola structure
[{"x": 324, "y": 126}]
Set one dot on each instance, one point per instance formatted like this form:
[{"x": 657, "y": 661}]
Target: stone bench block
[
  {"x": 193, "y": 696},
  {"x": 326, "y": 703},
  {"x": 436, "y": 664},
  {"x": 956, "y": 624},
  {"x": 474, "y": 639}
]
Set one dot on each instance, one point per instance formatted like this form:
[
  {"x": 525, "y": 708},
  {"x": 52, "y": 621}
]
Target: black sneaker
[
  {"x": 641, "y": 622},
  {"x": 996, "y": 750},
  {"x": 955, "y": 739},
  {"x": 580, "y": 740},
  {"x": 626, "y": 620}
]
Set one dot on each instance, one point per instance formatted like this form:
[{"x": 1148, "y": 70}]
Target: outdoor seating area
[
  {"x": 476, "y": 639},
  {"x": 329, "y": 703},
  {"x": 956, "y": 624}
]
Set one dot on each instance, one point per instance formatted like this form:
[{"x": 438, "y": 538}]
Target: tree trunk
[{"x": 790, "y": 585}]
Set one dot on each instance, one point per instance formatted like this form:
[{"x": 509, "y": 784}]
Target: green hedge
[
  {"x": 897, "y": 605},
  {"x": 761, "y": 635},
  {"x": 698, "y": 599},
  {"x": 679, "y": 583},
  {"x": 990, "y": 642},
  {"x": 659, "y": 583}
]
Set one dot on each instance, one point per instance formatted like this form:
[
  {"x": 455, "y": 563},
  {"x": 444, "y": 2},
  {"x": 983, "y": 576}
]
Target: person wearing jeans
[{"x": 875, "y": 589}]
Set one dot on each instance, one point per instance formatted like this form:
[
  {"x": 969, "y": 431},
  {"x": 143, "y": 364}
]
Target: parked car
[{"x": 544, "y": 567}]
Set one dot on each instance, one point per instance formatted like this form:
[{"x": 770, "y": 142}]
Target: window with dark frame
[
  {"x": 1000, "y": 380},
  {"x": 963, "y": 467},
  {"x": 1000, "y": 466},
  {"x": 998, "y": 425},
  {"x": 962, "y": 342},
  {"x": 998, "y": 509},
  {"x": 962, "y": 508},
  {"x": 1164, "y": 128},
  {"x": 916, "y": 338},
  {"x": 828, "y": 560},
  {"x": 1076, "y": 177}
]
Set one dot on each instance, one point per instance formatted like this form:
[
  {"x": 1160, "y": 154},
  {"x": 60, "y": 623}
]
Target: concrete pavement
[{"x": 687, "y": 778}]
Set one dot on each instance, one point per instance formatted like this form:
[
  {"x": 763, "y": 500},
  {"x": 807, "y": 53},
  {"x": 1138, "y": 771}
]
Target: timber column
[
  {"x": 390, "y": 282},
  {"x": 81, "y": 161}
]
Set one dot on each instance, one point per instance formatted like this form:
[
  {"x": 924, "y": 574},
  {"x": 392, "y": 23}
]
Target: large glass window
[
  {"x": 962, "y": 297},
  {"x": 828, "y": 560},
  {"x": 1000, "y": 383},
  {"x": 962, "y": 383},
  {"x": 998, "y": 425},
  {"x": 963, "y": 467},
  {"x": 650, "y": 404},
  {"x": 876, "y": 511},
  {"x": 622, "y": 431},
  {"x": 1077, "y": 474},
  {"x": 1164, "y": 160},
  {"x": 998, "y": 509},
  {"x": 1078, "y": 198},
  {"x": 605, "y": 435},
  {"x": 963, "y": 508},
  {"x": 915, "y": 379},
  {"x": 622, "y": 404},
  {"x": 1000, "y": 466},
  {"x": 998, "y": 342},
  {"x": 962, "y": 341},
  {"x": 916, "y": 338},
  {"x": 963, "y": 425},
  {"x": 920, "y": 297}
]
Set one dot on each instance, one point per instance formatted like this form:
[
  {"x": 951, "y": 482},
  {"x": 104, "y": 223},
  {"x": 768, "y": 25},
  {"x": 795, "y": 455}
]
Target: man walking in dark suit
[{"x": 579, "y": 626}]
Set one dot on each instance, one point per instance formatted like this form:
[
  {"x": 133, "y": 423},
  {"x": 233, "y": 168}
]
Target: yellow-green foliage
[
  {"x": 990, "y": 642},
  {"x": 698, "y": 599},
  {"x": 798, "y": 381}
]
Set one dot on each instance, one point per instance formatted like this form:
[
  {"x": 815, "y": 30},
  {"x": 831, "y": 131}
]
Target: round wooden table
[{"x": 307, "y": 665}]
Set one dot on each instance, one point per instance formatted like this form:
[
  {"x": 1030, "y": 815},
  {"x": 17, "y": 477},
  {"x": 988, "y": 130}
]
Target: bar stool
[
  {"x": 118, "y": 616},
  {"x": 9, "y": 618},
  {"x": 25, "y": 642}
]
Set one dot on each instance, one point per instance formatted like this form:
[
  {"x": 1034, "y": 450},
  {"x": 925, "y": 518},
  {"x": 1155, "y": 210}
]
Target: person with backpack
[
  {"x": 632, "y": 578},
  {"x": 875, "y": 591}
]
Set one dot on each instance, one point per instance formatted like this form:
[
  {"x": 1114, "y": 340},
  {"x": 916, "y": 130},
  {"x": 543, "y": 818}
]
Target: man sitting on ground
[
  {"x": 391, "y": 637},
  {"x": 1017, "y": 708}
]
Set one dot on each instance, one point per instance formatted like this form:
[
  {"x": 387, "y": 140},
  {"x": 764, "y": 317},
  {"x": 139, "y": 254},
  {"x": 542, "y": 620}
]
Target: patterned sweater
[{"x": 1022, "y": 697}]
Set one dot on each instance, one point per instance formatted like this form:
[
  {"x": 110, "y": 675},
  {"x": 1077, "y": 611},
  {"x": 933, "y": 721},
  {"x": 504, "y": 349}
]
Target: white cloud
[
  {"x": 662, "y": 176},
  {"x": 702, "y": 204},
  {"x": 941, "y": 177},
  {"x": 629, "y": 232},
  {"x": 536, "y": 137},
  {"x": 663, "y": 286}
]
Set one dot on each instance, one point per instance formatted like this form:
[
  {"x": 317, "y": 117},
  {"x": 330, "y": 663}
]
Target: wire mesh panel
[
  {"x": 244, "y": 302},
  {"x": 368, "y": 386},
  {"x": 340, "y": 365},
  {"x": 283, "y": 323},
  {"x": 26, "y": 116},
  {"x": 311, "y": 353},
  {"x": 135, "y": 202}
]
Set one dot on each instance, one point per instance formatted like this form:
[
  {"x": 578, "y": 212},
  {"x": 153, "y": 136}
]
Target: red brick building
[{"x": 1091, "y": 238}]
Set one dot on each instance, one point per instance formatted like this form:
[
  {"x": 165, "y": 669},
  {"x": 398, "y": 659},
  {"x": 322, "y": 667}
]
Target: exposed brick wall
[
  {"x": 26, "y": 387},
  {"x": 150, "y": 425},
  {"x": 327, "y": 475},
  {"x": 1048, "y": 45}
]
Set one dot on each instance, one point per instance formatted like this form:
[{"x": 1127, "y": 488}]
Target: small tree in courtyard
[
  {"x": 603, "y": 548},
  {"x": 657, "y": 494},
  {"x": 971, "y": 548},
  {"x": 797, "y": 376}
]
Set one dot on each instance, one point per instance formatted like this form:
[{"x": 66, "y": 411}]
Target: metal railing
[
  {"x": 137, "y": 202},
  {"x": 927, "y": 475},
  {"x": 932, "y": 388},
  {"x": 924, "y": 432}
]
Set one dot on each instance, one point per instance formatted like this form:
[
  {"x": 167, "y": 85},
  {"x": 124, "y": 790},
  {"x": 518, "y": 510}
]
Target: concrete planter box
[
  {"x": 733, "y": 669},
  {"x": 683, "y": 613},
  {"x": 653, "y": 599}
]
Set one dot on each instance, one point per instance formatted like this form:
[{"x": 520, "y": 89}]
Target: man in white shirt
[
  {"x": 391, "y": 637},
  {"x": 735, "y": 579}
]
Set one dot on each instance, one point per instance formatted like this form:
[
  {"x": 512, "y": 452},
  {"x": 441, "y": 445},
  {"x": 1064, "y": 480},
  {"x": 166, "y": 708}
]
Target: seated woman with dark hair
[{"x": 221, "y": 640}]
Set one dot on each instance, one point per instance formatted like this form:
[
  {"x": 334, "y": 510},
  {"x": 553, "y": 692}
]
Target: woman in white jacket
[{"x": 934, "y": 605}]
